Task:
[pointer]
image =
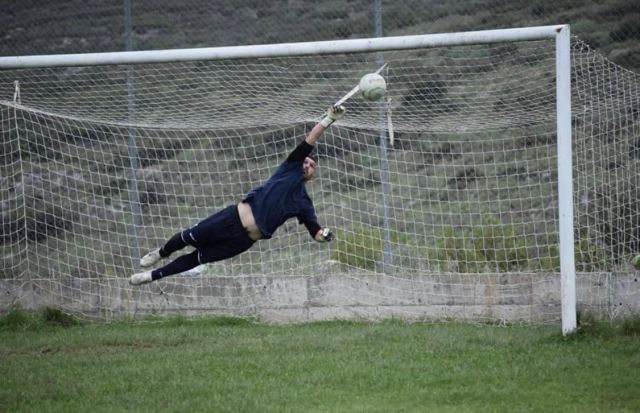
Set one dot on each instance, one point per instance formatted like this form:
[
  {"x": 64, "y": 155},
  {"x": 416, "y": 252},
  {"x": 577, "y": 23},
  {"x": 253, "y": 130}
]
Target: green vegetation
[
  {"x": 49, "y": 317},
  {"x": 40, "y": 27},
  {"x": 67, "y": 185},
  {"x": 78, "y": 206},
  {"x": 361, "y": 246},
  {"x": 491, "y": 246},
  {"x": 226, "y": 364}
]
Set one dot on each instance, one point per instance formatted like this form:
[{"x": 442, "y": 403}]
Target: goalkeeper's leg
[
  {"x": 181, "y": 264},
  {"x": 174, "y": 244},
  {"x": 217, "y": 238},
  {"x": 232, "y": 247},
  {"x": 208, "y": 231}
]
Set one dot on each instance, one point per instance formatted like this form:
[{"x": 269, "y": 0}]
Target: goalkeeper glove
[
  {"x": 333, "y": 114},
  {"x": 325, "y": 235}
]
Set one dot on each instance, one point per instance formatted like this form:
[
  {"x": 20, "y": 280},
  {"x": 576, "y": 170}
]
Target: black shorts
[{"x": 219, "y": 236}]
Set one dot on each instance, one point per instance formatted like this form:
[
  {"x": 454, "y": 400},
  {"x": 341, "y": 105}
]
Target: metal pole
[
  {"x": 565, "y": 180},
  {"x": 17, "y": 100},
  {"x": 134, "y": 196},
  {"x": 283, "y": 49},
  {"x": 387, "y": 252}
]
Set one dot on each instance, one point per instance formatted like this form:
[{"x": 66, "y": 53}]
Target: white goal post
[{"x": 561, "y": 34}]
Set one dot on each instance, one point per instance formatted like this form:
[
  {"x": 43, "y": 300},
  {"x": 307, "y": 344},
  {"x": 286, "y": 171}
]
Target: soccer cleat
[
  {"x": 151, "y": 258},
  {"x": 141, "y": 278}
]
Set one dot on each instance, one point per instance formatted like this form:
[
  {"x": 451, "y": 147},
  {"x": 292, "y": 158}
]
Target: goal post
[
  {"x": 565, "y": 180},
  {"x": 184, "y": 135}
]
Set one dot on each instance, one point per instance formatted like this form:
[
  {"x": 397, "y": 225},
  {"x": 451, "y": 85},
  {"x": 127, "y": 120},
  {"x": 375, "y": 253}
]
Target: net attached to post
[{"x": 457, "y": 217}]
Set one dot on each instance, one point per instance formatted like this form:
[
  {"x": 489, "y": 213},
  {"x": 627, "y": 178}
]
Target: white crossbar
[{"x": 284, "y": 49}]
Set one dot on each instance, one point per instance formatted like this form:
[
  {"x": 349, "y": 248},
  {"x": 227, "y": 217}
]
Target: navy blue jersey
[{"x": 283, "y": 196}]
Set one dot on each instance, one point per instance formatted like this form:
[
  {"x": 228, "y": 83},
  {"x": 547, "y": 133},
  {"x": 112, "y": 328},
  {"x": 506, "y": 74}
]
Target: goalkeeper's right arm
[{"x": 334, "y": 113}]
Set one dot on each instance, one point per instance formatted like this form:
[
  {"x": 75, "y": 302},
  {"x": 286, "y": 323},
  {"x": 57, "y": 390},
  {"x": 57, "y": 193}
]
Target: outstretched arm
[
  {"x": 305, "y": 147},
  {"x": 320, "y": 234},
  {"x": 334, "y": 113}
]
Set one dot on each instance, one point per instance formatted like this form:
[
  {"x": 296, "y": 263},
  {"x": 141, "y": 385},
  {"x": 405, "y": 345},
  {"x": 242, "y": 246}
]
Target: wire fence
[{"x": 74, "y": 26}]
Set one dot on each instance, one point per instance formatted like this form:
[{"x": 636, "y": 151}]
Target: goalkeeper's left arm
[
  {"x": 320, "y": 234},
  {"x": 324, "y": 234}
]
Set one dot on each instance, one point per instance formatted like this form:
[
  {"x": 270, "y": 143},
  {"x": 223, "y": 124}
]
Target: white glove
[
  {"x": 334, "y": 113},
  {"x": 325, "y": 235}
]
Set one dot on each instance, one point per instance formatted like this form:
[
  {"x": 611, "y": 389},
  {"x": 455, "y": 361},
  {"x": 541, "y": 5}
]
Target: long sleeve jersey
[{"x": 284, "y": 196}]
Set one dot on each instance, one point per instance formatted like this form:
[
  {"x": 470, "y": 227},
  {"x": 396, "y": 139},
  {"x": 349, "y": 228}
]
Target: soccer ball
[{"x": 372, "y": 86}]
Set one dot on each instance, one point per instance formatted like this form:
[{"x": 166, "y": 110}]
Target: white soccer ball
[{"x": 372, "y": 86}]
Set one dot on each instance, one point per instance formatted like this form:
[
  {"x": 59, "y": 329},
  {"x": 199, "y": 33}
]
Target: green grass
[{"x": 50, "y": 363}]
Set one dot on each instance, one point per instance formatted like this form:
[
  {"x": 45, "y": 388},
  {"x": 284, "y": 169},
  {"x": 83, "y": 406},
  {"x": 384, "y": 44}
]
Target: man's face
[{"x": 309, "y": 168}]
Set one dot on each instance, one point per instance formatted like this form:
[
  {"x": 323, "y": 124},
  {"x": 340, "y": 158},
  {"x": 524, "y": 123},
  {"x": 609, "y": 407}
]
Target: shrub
[
  {"x": 362, "y": 246},
  {"x": 626, "y": 28},
  {"x": 631, "y": 326},
  {"x": 16, "y": 319},
  {"x": 616, "y": 207},
  {"x": 37, "y": 222},
  {"x": 55, "y": 317},
  {"x": 19, "y": 319},
  {"x": 500, "y": 245},
  {"x": 489, "y": 247},
  {"x": 359, "y": 247}
]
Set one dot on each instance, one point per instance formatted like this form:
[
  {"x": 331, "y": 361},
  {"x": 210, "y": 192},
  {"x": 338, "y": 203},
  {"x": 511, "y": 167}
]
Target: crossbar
[{"x": 284, "y": 49}]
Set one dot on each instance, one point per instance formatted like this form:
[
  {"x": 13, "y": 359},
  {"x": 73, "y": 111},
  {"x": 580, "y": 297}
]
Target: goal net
[{"x": 443, "y": 196}]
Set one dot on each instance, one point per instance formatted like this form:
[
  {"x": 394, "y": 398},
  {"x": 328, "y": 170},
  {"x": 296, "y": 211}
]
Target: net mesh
[{"x": 453, "y": 213}]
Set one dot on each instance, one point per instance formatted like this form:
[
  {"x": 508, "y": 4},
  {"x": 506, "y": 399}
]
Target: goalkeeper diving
[{"x": 236, "y": 228}]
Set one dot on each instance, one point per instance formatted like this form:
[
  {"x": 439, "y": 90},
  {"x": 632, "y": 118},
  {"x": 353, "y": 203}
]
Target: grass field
[{"x": 53, "y": 363}]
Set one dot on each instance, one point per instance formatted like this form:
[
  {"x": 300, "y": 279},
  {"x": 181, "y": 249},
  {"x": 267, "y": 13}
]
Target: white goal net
[{"x": 443, "y": 196}]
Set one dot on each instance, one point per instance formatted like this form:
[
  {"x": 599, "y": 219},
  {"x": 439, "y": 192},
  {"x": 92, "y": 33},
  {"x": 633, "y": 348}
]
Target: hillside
[
  {"x": 42, "y": 27},
  {"x": 472, "y": 169}
]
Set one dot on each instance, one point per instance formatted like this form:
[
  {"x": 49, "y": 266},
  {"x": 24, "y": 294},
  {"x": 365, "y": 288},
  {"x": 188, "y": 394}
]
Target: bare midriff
[{"x": 249, "y": 221}]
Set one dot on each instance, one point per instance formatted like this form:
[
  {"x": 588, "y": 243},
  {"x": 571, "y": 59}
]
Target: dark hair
[{"x": 314, "y": 157}]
